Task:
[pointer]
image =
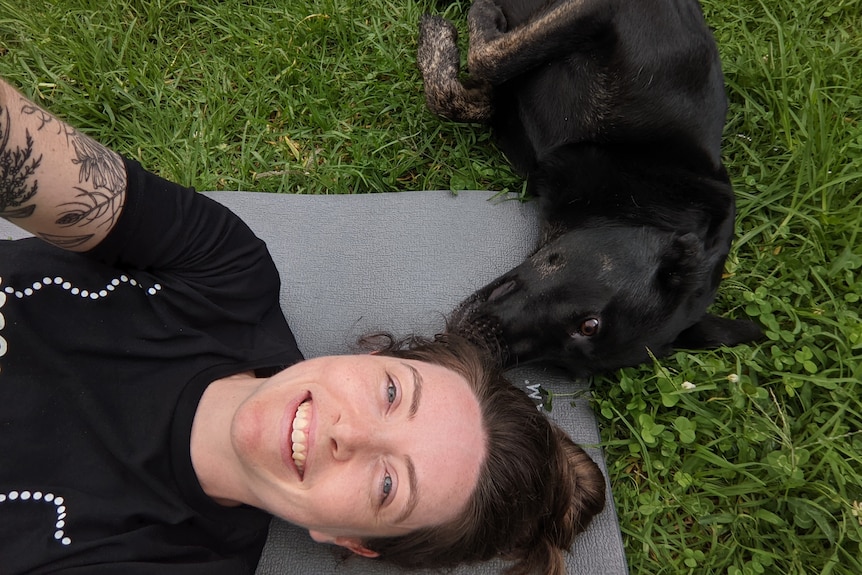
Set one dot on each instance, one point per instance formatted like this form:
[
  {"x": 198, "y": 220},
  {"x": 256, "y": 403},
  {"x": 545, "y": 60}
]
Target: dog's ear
[
  {"x": 681, "y": 262},
  {"x": 713, "y": 331}
]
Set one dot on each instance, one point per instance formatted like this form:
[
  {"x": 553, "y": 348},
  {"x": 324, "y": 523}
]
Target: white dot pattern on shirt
[
  {"x": 37, "y": 496},
  {"x": 77, "y": 291},
  {"x": 59, "y": 533},
  {"x": 2, "y": 320},
  {"x": 37, "y": 286}
]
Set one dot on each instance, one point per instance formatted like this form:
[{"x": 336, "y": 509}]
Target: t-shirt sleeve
[{"x": 173, "y": 229}]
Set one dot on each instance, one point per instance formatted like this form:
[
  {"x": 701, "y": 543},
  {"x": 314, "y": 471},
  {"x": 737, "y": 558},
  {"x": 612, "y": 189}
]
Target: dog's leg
[
  {"x": 439, "y": 62},
  {"x": 497, "y": 54}
]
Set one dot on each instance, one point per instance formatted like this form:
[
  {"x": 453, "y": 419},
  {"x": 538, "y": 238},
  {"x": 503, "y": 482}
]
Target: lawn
[{"x": 744, "y": 460}]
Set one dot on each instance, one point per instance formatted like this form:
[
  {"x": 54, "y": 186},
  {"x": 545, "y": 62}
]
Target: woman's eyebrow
[
  {"x": 413, "y": 498},
  {"x": 417, "y": 391}
]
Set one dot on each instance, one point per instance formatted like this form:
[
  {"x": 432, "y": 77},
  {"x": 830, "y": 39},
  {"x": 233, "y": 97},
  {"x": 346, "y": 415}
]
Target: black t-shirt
[{"x": 103, "y": 359}]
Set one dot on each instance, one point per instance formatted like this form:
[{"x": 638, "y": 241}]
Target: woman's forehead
[{"x": 448, "y": 444}]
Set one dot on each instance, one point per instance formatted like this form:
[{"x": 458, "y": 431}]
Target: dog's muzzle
[{"x": 470, "y": 322}]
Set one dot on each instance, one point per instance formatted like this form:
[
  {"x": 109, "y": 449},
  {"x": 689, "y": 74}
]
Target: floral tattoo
[
  {"x": 16, "y": 169},
  {"x": 98, "y": 198}
]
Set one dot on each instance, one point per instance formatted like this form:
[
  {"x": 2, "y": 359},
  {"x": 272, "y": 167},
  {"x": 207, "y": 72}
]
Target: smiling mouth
[{"x": 299, "y": 436}]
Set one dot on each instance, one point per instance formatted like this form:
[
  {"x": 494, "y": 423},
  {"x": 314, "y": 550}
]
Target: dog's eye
[{"x": 589, "y": 327}]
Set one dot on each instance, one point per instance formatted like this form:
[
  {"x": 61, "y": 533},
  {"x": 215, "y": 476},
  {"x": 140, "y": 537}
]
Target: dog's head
[{"x": 601, "y": 298}]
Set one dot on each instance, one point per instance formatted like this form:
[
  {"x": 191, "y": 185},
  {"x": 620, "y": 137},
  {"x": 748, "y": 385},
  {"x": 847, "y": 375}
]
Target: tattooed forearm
[
  {"x": 105, "y": 172},
  {"x": 98, "y": 165},
  {"x": 96, "y": 162},
  {"x": 96, "y": 208},
  {"x": 17, "y": 167},
  {"x": 56, "y": 182},
  {"x": 45, "y": 118}
]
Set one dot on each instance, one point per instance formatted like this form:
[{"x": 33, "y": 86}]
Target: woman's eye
[
  {"x": 391, "y": 391},
  {"x": 387, "y": 486}
]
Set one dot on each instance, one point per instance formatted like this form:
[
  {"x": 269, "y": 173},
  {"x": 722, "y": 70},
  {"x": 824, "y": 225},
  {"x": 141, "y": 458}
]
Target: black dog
[{"x": 613, "y": 110}]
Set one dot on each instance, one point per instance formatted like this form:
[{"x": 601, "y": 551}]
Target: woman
[{"x": 155, "y": 410}]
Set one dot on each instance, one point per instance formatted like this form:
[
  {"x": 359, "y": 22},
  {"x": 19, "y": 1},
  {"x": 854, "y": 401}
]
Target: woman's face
[{"x": 361, "y": 446}]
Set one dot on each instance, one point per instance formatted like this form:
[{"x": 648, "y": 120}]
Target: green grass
[
  {"x": 754, "y": 469},
  {"x": 299, "y": 96}
]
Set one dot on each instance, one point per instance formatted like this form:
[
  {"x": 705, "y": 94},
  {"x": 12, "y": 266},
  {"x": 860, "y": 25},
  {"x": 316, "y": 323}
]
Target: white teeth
[{"x": 299, "y": 436}]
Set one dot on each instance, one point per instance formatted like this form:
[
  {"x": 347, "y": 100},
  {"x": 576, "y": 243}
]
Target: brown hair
[{"x": 536, "y": 488}]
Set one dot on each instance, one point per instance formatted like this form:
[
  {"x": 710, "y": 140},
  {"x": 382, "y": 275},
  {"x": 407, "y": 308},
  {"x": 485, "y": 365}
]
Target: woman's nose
[{"x": 351, "y": 436}]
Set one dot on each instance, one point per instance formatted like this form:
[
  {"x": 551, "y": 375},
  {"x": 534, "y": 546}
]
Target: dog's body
[{"x": 614, "y": 112}]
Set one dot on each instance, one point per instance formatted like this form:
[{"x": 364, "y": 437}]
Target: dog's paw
[
  {"x": 439, "y": 62},
  {"x": 437, "y": 47}
]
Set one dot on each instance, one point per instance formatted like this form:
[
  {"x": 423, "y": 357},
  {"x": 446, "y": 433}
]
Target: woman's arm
[{"x": 56, "y": 182}]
